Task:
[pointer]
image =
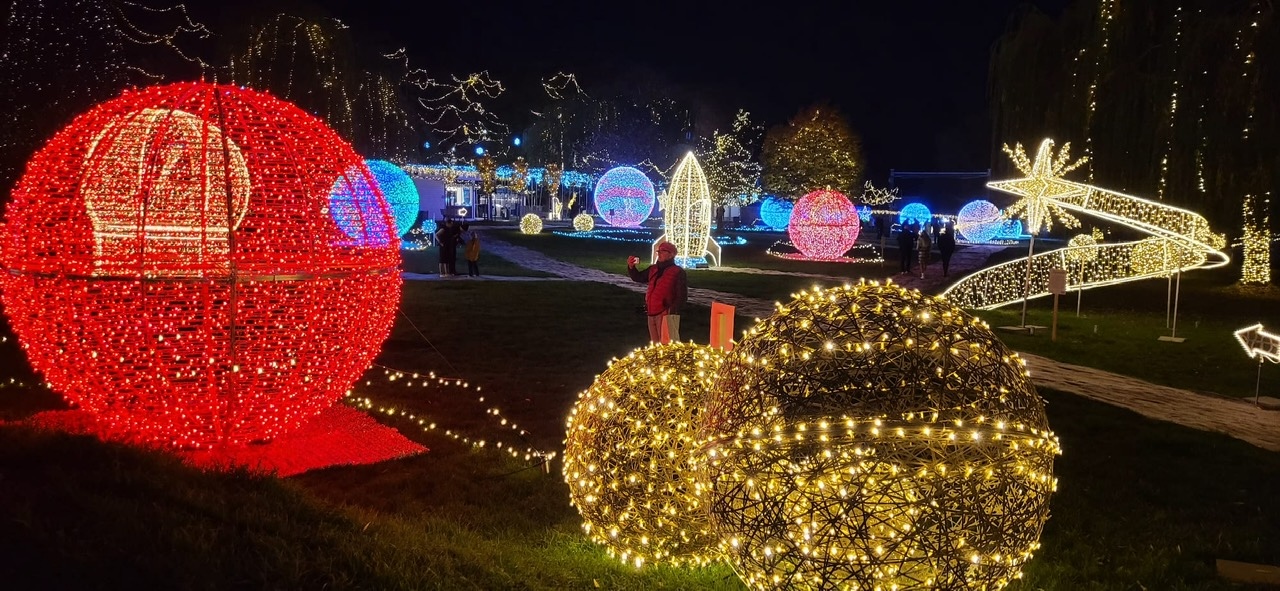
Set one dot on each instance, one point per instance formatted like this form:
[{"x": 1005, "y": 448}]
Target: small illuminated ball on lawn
[
  {"x": 354, "y": 203},
  {"x": 915, "y": 213},
  {"x": 824, "y": 225},
  {"x": 171, "y": 267},
  {"x": 583, "y": 222},
  {"x": 1078, "y": 249},
  {"x": 979, "y": 221},
  {"x": 530, "y": 224},
  {"x": 624, "y": 197},
  {"x": 776, "y": 212},
  {"x": 870, "y": 437},
  {"x": 627, "y": 453}
]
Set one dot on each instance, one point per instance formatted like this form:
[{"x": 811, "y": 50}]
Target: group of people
[
  {"x": 448, "y": 238},
  {"x": 915, "y": 242}
]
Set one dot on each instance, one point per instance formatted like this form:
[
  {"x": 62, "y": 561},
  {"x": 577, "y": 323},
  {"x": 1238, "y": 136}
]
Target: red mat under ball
[{"x": 339, "y": 436}]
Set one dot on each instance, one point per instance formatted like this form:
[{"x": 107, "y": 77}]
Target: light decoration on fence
[
  {"x": 824, "y": 225},
  {"x": 624, "y": 197},
  {"x": 627, "y": 455},
  {"x": 215, "y": 318},
  {"x": 355, "y": 203},
  {"x": 583, "y": 222},
  {"x": 776, "y": 212},
  {"x": 530, "y": 224},
  {"x": 979, "y": 221},
  {"x": 1185, "y": 239},
  {"x": 915, "y": 213},
  {"x": 870, "y": 437},
  {"x": 686, "y": 222}
]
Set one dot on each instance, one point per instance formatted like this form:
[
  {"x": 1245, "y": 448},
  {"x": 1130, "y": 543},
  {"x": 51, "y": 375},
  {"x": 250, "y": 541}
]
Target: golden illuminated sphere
[
  {"x": 583, "y": 222},
  {"x": 870, "y": 437},
  {"x": 1079, "y": 252},
  {"x": 530, "y": 224},
  {"x": 626, "y": 456}
]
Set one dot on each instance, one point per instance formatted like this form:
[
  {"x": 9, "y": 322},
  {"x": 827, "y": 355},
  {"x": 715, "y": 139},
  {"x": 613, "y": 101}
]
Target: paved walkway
[{"x": 1234, "y": 417}]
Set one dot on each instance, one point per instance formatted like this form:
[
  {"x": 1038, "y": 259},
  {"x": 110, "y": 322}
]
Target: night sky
[{"x": 911, "y": 76}]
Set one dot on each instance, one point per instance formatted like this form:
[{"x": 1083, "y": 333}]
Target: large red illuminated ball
[
  {"x": 824, "y": 225},
  {"x": 172, "y": 267}
]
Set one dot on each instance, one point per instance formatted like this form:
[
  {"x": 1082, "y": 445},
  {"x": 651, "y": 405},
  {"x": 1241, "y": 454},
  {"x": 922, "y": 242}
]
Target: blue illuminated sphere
[
  {"x": 915, "y": 213},
  {"x": 776, "y": 212},
  {"x": 864, "y": 213},
  {"x": 356, "y": 207},
  {"x": 1012, "y": 230},
  {"x": 979, "y": 221},
  {"x": 479, "y": 150},
  {"x": 624, "y": 197},
  {"x": 429, "y": 227}
]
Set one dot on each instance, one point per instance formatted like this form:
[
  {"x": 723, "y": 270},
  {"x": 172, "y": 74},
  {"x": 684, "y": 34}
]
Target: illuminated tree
[
  {"x": 488, "y": 170},
  {"x": 815, "y": 150},
  {"x": 59, "y": 58},
  {"x": 733, "y": 173},
  {"x": 519, "y": 175}
]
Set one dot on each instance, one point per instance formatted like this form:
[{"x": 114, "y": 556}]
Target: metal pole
[
  {"x": 1177, "y": 288},
  {"x": 1257, "y": 385},
  {"x": 1168, "y": 300},
  {"x": 1026, "y": 290},
  {"x": 1080, "y": 290}
]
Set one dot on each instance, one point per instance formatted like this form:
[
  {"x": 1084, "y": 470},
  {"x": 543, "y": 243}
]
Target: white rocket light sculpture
[{"x": 687, "y": 221}]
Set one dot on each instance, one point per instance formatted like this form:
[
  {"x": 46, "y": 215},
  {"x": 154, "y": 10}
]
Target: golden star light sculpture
[{"x": 1184, "y": 238}]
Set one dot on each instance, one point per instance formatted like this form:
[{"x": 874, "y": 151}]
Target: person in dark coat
[
  {"x": 947, "y": 246},
  {"x": 447, "y": 239},
  {"x": 667, "y": 292},
  {"x": 907, "y": 246}
]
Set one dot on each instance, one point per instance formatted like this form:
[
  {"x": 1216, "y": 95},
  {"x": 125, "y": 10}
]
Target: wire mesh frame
[{"x": 869, "y": 435}]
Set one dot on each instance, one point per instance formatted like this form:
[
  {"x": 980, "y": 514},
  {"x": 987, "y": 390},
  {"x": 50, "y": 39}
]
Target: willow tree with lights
[
  {"x": 815, "y": 150},
  {"x": 1166, "y": 98}
]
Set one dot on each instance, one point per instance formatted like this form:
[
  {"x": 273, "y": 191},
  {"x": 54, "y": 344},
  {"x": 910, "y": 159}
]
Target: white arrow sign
[{"x": 1258, "y": 342}]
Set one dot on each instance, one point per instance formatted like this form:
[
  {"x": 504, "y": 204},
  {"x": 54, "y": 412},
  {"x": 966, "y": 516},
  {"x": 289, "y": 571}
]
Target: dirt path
[{"x": 1233, "y": 417}]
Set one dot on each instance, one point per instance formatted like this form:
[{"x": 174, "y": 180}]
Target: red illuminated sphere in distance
[
  {"x": 824, "y": 225},
  {"x": 170, "y": 265}
]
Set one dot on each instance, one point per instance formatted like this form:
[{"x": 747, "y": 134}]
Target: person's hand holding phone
[{"x": 632, "y": 261}]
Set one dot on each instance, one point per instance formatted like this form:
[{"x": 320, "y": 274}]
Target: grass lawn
[
  {"x": 1141, "y": 504},
  {"x": 611, "y": 256},
  {"x": 1129, "y": 317}
]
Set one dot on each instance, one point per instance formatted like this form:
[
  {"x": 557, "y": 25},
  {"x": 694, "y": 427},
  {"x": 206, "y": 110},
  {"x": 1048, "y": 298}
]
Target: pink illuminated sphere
[{"x": 824, "y": 225}]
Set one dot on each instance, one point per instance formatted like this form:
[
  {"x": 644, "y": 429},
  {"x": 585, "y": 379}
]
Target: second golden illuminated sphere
[{"x": 872, "y": 437}]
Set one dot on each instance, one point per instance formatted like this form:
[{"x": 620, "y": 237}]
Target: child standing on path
[{"x": 472, "y": 241}]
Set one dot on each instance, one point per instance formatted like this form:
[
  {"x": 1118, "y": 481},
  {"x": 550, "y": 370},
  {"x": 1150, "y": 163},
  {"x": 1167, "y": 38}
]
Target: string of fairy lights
[
  {"x": 1181, "y": 239},
  {"x": 428, "y": 425}
]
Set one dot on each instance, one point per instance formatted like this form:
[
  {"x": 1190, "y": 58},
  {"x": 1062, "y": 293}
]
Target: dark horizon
[{"x": 911, "y": 77}]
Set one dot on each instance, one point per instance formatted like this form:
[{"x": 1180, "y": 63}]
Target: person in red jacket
[{"x": 668, "y": 290}]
